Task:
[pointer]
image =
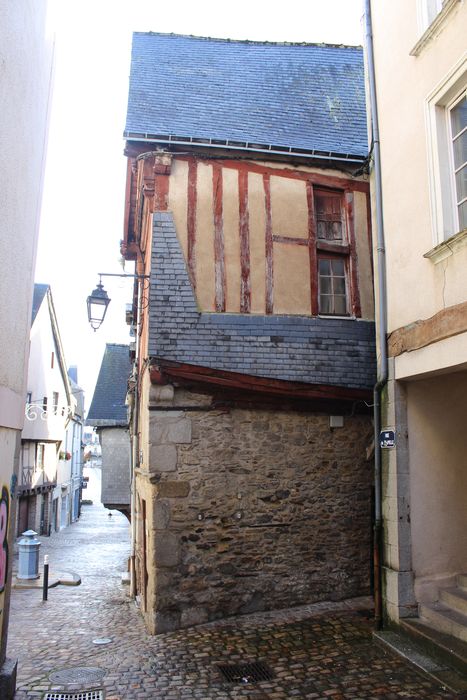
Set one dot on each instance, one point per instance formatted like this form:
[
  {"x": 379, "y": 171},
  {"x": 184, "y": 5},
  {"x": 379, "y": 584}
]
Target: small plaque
[{"x": 387, "y": 439}]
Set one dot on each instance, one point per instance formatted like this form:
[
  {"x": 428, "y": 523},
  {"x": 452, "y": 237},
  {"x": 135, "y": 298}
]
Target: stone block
[
  {"x": 167, "y": 548},
  {"x": 173, "y": 489},
  {"x": 8, "y": 679},
  {"x": 161, "y": 514},
  {"x": 172, "y": 428},
  {"x": 162, "y": 458},
  {"x": 166, "y": 621},
  {"x": 193, "y": 616},
  {"x": 161, "y": 394}
]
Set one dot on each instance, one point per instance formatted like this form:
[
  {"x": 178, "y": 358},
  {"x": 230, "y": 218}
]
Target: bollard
[
  {"x": 45, "y": 581},
  {"x": 28, "y": 563}
]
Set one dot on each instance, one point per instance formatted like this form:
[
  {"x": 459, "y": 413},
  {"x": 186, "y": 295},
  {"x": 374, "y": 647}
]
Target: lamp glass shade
[{"x": 97, "y": 302}]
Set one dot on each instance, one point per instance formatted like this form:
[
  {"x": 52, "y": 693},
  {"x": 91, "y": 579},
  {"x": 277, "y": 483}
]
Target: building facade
[
  {"x": 421, "y": 79},
  {"x": 108, "y": 414},
  {"x": 45, "y": 485},
  {"x": 254, "y": 321},
  {"x": 26, "y": 41}
]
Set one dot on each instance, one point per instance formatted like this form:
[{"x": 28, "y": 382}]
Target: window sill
[
  {"x": 435, "y": 27},
  {"x": 447, "y": 248}
]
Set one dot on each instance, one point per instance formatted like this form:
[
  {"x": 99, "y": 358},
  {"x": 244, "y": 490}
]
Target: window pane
[
  {"x": 340, "y": 305},
  {"x": 325, "y": 304},
  {"x": 459, "y": 146},
  {"x": 339, "y": 285},
  {"x": 336, "y": 231},
  {"x": 337, "y": 266},
  {"x": 325, "y": 285},
  {"x": 325, "y": 267},
  {"x": 462, "y": 216},
  {"x": 459, "y": 116},
  {"x": 461, "y": 184},
  {"x": 322, "y": 230}
]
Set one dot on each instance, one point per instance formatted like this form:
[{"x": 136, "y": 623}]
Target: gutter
[
  {"x": 243, "y": 146},
  {"x": 382, "y": 315}
]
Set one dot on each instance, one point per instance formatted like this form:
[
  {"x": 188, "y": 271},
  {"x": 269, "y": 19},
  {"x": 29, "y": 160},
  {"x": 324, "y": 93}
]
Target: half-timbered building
[{"x": 247, "y": 213}]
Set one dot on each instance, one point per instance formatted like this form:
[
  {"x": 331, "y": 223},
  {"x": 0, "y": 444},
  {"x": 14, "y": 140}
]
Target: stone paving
[{"x": 320, "y": 652}]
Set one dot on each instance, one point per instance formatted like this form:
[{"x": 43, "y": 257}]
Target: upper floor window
[
  {"x": 447, "y": 147},
  {"x": 55, "y": 402},
  {"x": 332, "y": 286},
  {"x": 40, "y": 456},
  {"x": 332, "y": 253},
  {"x": 429, "y": 9},
  {"x": 458, "y": 143}
]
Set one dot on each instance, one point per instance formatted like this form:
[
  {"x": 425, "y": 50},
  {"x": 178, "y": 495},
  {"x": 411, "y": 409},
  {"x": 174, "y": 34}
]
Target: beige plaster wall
[
  {"x": 438, "y": 476},
  {"x": 364, "y": 256},
  {"x": 291, "y": 279},
  {"x": 289, "y": 218},
  {"x": 417, "y": 288},
  {"x": 257, "y": 242},
  {"x": 205, "y": 279},
  {"x": 177, "y": 201},
  {"x": 289, "y": 208},
  {"x": 231, "y": 240}
]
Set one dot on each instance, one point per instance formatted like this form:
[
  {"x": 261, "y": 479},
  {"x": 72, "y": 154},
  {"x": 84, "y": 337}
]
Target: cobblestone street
[{"x": 321, "y": 651}]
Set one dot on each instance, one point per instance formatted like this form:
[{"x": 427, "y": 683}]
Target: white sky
[{"x": 82, "y": 212}]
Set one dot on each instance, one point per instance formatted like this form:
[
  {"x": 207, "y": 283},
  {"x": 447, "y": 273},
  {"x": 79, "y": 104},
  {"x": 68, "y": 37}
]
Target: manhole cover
[
  {"x": 80, "y": 674},
  {"x": 246, "y": 673},
  {"x": 83, "y": 695},
  {"x": 102, "y": 640}
]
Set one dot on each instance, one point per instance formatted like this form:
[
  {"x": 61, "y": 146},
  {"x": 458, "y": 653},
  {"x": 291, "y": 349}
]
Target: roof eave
[{"x": 245, "y": 146}]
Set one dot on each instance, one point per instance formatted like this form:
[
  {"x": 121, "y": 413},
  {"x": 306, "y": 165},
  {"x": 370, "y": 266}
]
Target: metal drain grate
[
  {"x": 84, "y": 675},
  {"x": 82, "y": 695},
  {"x": 246, "y": 673}
]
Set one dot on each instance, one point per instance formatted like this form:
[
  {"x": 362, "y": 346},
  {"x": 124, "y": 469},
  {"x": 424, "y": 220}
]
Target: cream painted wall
[
  {"x": 438, "y": 475},
  {"x": 404, "y": 83},
  {"x": 26, "y": 60},
  {"x": 44, "y": 380}
]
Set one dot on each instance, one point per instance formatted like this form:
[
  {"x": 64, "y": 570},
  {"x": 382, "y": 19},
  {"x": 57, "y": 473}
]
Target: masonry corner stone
[
  {"x": 161, "y": 514},
  {"x": 162, "y": 458},
  {"x": 173, "y": 489}
]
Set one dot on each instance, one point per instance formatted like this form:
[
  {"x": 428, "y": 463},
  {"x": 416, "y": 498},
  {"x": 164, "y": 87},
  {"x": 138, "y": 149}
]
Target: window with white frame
[
  {"x": 447, "y": 148},
  {"x": 428, "y": 10},
  {"x": 457, "y": 113}
]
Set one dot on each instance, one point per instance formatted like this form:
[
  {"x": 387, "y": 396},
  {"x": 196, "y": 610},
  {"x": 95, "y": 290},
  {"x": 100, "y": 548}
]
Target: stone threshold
[{"x": 426, "y": 662}]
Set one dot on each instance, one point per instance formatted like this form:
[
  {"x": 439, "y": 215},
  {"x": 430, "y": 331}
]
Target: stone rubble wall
[{"x": 251, "y": 509}]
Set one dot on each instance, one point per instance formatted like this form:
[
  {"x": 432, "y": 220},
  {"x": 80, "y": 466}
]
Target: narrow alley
[{"x": 94, "y": 632}]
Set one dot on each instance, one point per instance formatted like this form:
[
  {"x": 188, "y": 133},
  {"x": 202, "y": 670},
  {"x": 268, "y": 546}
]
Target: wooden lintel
[
  {"x": 172, "y": 371},
  {"x": 444, "y": 324}
]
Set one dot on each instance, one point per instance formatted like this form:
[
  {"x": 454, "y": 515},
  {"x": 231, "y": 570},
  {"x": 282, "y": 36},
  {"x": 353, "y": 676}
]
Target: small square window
[{"x": 332, "y": 276}]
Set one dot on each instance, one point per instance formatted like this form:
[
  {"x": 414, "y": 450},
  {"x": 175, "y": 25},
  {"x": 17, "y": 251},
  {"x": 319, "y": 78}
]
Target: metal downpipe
[{"x": 382, "y": 315}]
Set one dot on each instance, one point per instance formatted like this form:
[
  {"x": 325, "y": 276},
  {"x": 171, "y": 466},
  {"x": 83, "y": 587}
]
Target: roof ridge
[{"x": 252, "y": 41}]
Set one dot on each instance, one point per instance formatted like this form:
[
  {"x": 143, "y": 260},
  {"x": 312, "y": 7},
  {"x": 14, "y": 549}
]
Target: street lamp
[{"x": 99, "y": 300}]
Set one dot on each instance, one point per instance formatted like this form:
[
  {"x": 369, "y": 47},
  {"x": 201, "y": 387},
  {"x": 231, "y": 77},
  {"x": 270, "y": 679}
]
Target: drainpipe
[
  {"x": 382, "y": 315},
  {"x": 135, "y": 449}
]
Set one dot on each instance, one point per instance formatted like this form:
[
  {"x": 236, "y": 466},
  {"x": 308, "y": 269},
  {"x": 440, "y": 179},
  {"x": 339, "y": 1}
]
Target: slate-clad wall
[
  {"x": 251, "y": 509},
  {"x": 115, "y": 443},
  {"x": 296, "y": 348}
]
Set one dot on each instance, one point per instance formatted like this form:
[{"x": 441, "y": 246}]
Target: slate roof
[
  {"x": 307, "y": 97},
  {"x": 108, "y": 402},
  {"x": 40, "y": 290},
  {"x": 329, "y": 351}
]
